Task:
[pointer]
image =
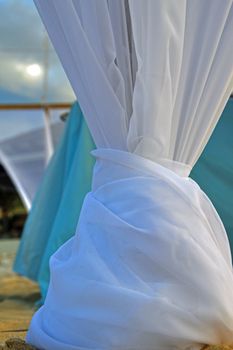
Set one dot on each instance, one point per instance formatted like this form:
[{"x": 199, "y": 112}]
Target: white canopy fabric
[
  {"x": 149, "y": 267},
  {"x": 24, "y": 154}
]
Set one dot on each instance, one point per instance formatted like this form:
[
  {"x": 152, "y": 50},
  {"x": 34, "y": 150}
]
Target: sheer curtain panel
[{"x": 150, "y": 266}]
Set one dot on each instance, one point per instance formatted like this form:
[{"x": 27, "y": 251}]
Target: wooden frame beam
[{"x": 28, "y": 106}]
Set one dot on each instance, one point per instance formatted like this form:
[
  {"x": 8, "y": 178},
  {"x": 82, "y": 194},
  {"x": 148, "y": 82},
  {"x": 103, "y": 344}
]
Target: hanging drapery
[
  {"x": 150, "y": 265},
  {"x": 57, "y": 205}
]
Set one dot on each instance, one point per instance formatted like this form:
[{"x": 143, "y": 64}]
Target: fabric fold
[{"x": 142, "y": 277}]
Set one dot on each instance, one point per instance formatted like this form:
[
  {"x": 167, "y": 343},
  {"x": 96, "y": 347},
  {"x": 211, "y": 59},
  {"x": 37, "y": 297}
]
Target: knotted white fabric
[{"x": 149, "y": 267}]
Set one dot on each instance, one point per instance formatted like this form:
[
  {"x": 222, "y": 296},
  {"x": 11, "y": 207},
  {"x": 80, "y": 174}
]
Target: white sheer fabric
[
  {"x": 24, "y": 157},
  {"x": 150, "y": 266}
]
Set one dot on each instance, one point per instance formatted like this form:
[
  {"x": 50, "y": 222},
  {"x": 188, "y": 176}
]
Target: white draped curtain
[{"x": 149, "y": 266}]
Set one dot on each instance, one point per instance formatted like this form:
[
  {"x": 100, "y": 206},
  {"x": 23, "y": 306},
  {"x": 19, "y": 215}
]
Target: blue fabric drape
[
  {"x": 55, "y": 210},
  {"x": 214, "y": 170}
]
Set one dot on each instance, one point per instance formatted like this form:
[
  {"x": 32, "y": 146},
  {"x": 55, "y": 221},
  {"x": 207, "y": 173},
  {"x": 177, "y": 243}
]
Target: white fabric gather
[
  {"x": 142, "y": 276},
  {"x": 149, "y": 267}
]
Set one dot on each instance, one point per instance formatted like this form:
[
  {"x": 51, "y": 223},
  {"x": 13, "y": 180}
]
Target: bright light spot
[{"x": 34, "y": 70}]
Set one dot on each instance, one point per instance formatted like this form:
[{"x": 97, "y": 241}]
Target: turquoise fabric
[
  {"x": 56, "y": 208},
  {"x": 214, "y": 170}
]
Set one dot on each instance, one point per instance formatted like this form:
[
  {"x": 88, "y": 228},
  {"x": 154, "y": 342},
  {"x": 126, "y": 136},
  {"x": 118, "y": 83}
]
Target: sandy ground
[{"x": 17, "y": 297}]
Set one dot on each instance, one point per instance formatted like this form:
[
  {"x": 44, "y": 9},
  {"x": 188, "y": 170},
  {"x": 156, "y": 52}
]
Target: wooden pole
[{"x": 27, "y": 106}]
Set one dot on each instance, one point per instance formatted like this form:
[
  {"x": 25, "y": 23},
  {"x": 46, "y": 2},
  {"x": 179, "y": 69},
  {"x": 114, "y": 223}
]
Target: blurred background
[{"x": 34, "y": 94}]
